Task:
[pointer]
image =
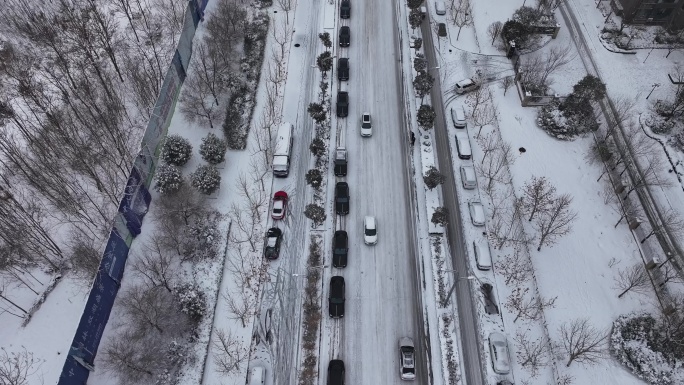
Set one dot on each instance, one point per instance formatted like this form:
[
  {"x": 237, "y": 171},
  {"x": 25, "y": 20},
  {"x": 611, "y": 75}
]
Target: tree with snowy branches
[
  {"x": 192, "y": 301},
  {"x": 206, "y": 179},
  {"x": 425, "y": 116},
  {"x": 423, "y": 84},
  {"x": 176, "y": 150},
  {"x": 168, "y": 179},
  {"x": 213, "y": 149}
]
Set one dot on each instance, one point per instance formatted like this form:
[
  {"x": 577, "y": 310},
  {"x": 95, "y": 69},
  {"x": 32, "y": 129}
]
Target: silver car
[
  {"x": 407, "y": 356},
  {"x": 498, "y": 349}
]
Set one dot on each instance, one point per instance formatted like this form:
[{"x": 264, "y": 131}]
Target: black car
[
  {"x": 342, "y": 198},
  {"x": 344, "y": 36},
  {"x": 345, "y": 9},
  {"x": 340, "y": 248},
  {"x": 272, "y": 243},
  {"x": 490, "y": 301},
  {"x": 336, "y": 298},
  {"x": 336, "y": 372},
  {"x": 342, "y": 69},
  {"x": 342, "y": 104}
]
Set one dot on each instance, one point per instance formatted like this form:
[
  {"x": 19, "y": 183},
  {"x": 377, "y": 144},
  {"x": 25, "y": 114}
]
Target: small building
[{"x": 667, "y": 13}]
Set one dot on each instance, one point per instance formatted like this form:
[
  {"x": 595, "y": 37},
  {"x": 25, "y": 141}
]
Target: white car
[
  {"x": 370, "y": 231},
  {"x": 407, "y": 357},
  {"x": 498, "y": 348},
  {"x": 366, "y": 129},
  {"x": 466, "y": 85},
  {"x": 477, "y": 215}
]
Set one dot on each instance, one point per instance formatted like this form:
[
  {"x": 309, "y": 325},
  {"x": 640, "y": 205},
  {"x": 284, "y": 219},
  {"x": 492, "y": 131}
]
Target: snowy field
[{"x": 579, "y": 270}]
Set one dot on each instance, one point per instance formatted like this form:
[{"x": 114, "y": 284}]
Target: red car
[{"x": 279, "y": 205}]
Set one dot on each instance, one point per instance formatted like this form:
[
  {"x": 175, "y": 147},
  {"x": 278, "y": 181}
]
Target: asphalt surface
[
  {"x": 467, "y": 313},
  {"x": 381, "y": 280}
]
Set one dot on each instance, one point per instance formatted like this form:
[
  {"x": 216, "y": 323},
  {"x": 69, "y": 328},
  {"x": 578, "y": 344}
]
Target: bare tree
[
  {"x": 548, "y": 6},
  {"x": 537, "y": 196},
  {"x": 132, "y": 358},
  {"x": 151, "y": 310},
  {"x": 286, "y": 6},
  {"x": 532, "y": 354},
  {"x": 17, "y": 368},
  {"x": 494, "y": 30},
  {"x": 485, "y": 115},
  {"x": 538, "y": 68},
  {"x": 648, "y": 176},
  {"x": 488, "y": 144},
  {"x": 181, "y": 208},
  {"x": 155, "y": 265},
  {"x": 244, "y": 228},
  {"x": 582, "y": 342},
  {"x": 556, "y": 222},
  {"x": 633, "y": 278},
  {"x": 492, "y": 167},
  {"x": 229, "y": 352},
  {"x": 256, "y": 198},
  {"x": 515, "y": 268},
  {"x": 671, "y": 221},
  {"x": 624, "y": 110},
  {"x": 623, "y": 208},
  {"x": 242, "y": 305},
  {"x": 507, "y": 82},
  {"x": 477, "y": 98},
  {"x": 461, "y": 15},
  {"x": 196, "y": 101},
  {"x": 528, "y": 307}
]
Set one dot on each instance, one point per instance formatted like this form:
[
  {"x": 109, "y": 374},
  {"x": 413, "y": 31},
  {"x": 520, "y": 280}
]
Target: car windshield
[
  {"x": 277, "y": 209},
  {"x": 340, "y": 250},
  {"x": 370, "y": 232},
  {"x": 271, "y": 242},
  {"x": 336, "y": 300}
]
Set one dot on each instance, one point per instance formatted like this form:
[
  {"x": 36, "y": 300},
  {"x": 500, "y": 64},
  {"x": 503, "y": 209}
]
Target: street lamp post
[{"x": 453, "y": 287}]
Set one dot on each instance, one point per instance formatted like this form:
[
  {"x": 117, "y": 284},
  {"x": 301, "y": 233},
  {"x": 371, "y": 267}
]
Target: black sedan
[
  {"x": 336, "y": 298},
  {"x": 340, "y": 249},
  {"x": 342, "y": 198},
  {"x": 272, "y": 243},
  {"x": 336, "y": 372}
]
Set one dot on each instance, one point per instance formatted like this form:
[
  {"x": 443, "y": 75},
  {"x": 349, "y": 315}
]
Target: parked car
[
  {"x": 407, "y": 358},
  {"x": 344, "y": 36},
  {"x": 441, "y": 30},
  {"x": 343, "y": 69},
  {"x": 279, "y": 205},
  {"x": 342, "y": 198},
  {"x": 458, "y": 117},
  {"x": 498, "y": 348},
  {"x": 370, "y": 230},
  {"x": 345, "y": 9},
  {"x": 477, "y": 215},
  {"x": 336, "y": 372},
  {"x": 490, "y": 300},
  {"x": 366, "y": 129},
  {"x": 272, "y": 243},
  {"x": 342, "y": 104},
  {"x": 466, "y": 85},
  {"x": 336, "y": 298},
  {"x": 340, "y": 248}
]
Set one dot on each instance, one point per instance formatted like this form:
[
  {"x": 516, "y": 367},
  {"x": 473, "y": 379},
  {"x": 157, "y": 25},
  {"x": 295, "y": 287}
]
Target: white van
[
  {"x": 483, "y": 258},
  {"x": 257, "y": 376},
  {"x": 463, "y": 145},
  {"x": 468, "y": 177},
  {"x": 458, "y": 117},
  {"x": 477, "y": 215},
  {"x": 281, "y": 156},
  {"x": 440, "y": 8}
]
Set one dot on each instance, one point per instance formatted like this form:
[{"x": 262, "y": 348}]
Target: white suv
[
  {"x": 370, "y": 231},
  {"x": 366, "y": 129}
]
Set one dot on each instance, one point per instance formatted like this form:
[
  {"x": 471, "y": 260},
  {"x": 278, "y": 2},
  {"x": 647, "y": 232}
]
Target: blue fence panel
[
  {"x": 135, "y": 202},
  {"x": 96, "y": 313}
]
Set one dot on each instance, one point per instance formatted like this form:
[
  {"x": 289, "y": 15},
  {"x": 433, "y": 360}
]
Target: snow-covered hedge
[{"x": 640, "y": 342}]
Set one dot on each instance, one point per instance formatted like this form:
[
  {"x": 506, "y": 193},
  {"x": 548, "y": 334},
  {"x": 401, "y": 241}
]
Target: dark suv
[
  {"x": 336, "y": 372},
  {"x": 340, "y": 248},
  {"x": 336, "y": 298},
  {"x": 345, "y": 9},
  {"x": 344, "y": 36},
  {"x": 342, "y": 69},
  {"x": 342, "y": 198},
  {"x": 342, "y": 104}
]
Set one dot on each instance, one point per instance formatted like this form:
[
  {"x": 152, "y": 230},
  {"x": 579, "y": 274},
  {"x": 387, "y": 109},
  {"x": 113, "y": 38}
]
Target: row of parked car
[{"x": 498, "y": 343}]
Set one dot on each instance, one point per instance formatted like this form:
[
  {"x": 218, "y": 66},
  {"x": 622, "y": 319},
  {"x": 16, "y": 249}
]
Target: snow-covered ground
[{"x": 579, "y": 269}]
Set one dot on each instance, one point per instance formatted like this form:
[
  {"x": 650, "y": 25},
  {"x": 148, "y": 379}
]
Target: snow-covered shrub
[
  {"x": 551, "y": 120},
  {"x": 640, "y": 343},
  {"x": 265, "y": 3},
  {"x": 176, "y": 150},
  {"x": 234, "y": 130},
  {"x": 167, "y": 179},
  {"x": 317, "y": 147},
  {"x": 440, "y": 216},
  {"x": 202, "y": 237},
  {"x": 314, "y": 178},
  {"x": 316, "y": 213},
  {"x": 213, "y": 149},
  {"x": 433, "y": 178},
  {"x": 192, "y": 301},
  {"x": 425, "y": 116},
  {"x": 567, "y": 119},
  {"x": 206, "y": 179}
]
